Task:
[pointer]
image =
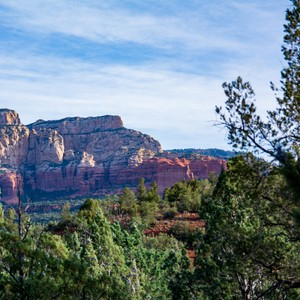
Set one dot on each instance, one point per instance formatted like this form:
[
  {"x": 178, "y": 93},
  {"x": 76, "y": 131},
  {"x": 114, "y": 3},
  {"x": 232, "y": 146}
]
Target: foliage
[
  {"x": 279, "y": 135},
  {"x": 186, "y": 195},
  {"x": 31, "y": 260},
  {"x": 100, "y": 261},
  {"x": 141, "y": 191},
  {"x": 152, "y": 194},
  {"x": 250, "y": 246},
  {"x": 169, "y": 213},
  {"x": 128, "y": 203},
  {"x": 260, "y": 208},
  {"x": 158, "y": 264},
  {"x": 110, "y": 206},
  {"x": 183, "y": 231},
  {"x": 143, "y": 203},
  {"x": 84, "y": 262},
  {"x": 83, "y": 256},
  {"x": 148, "y": 211},
  {"x": 248, "y": 250},
  {"x": 191, "y": 153}
]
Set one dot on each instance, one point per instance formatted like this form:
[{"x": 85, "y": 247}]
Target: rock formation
[{"x": 76, "y": 157}]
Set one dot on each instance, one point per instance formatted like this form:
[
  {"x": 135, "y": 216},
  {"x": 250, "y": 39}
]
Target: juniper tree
[{"x": 279, "y": 135}]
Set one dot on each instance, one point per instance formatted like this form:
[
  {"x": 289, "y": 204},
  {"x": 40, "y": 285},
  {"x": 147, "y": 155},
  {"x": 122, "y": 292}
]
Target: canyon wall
[{"x": 76, "y": 157}]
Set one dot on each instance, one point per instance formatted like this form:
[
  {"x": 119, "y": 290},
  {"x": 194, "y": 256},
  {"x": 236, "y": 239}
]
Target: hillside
[{"x": 194, "y": 153}]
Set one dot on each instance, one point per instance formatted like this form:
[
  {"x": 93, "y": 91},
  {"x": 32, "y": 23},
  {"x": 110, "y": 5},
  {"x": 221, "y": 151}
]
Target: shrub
[{"x": 170, "y": 213}]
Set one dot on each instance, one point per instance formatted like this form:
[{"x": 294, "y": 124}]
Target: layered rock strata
[{"x": 76, "y": 157}]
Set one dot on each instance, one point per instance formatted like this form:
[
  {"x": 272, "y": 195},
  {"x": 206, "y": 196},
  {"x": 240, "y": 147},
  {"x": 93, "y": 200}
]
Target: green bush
[
  {"x": 170, "y": 213},
  {"x": 183, "y": 231}
]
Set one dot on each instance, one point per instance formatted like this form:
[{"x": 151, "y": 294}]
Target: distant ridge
[{"x": 194, "y": 153}]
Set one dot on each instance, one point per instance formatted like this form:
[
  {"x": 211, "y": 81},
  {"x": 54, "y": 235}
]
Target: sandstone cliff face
[
  {"x": 10, "y": 182},
  {"x": 167, "y": 171},
  {"x": 84, "y": 156}
]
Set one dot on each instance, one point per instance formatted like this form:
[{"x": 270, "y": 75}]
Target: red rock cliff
[{"x": 84, "y": 156}]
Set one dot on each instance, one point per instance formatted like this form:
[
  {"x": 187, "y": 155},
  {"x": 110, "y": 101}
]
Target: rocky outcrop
[
  {"x": 9, "y": 117},
  {"x": 10, "y": 182},
  {"x": 76, "y": 157}
]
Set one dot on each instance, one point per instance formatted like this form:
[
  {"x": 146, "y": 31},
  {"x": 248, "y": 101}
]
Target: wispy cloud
[
  {"x": 158, "y": 64},
  {"x": 114, "y": 24}
]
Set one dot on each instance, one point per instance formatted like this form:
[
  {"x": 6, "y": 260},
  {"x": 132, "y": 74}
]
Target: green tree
[
  {"x": 102, "y": 262},
  {"x": 248, "y": 250},
  {"x": 159, "y": 268},
  {"x": 148, "y": 202},
  {"x": 152, "y": 194},
  {"x": 279, "y": 135},
  {"x": 188, "y": 194},
  {"x": 128, "y": 203},
  {"x": 77, "y": 259},
  {"x": 148, "y": 210},
  {"x": 31, "y": 259},
  {"x": 110, "y": 205},
  {"x": 183, "y": 231},
  {"x": 141, "y": 191}
]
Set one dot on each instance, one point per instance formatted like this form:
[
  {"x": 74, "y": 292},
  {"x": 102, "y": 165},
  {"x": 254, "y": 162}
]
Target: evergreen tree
[
  {"x": 187, "y": 194},
  {"x": 31, "y": 260},
  {"x": 159, "y": 266},
  {"x": 128, "y": 203},
  {"x": 248, "y": 250},
  {"x": 141, "y": 191},
  {"x": 105, "y": 275},
  {"x": 279, "y": 136},
  {"x": 152, "y": 194}
]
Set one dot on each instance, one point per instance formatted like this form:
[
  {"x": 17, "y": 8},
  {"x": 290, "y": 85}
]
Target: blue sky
[{"x": 158, "y": 64}]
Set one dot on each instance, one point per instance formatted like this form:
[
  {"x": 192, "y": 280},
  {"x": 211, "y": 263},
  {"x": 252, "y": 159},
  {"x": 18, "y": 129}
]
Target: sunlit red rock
[
  {"x": 76, "y": 157},
  {"x": 167, "y": 171}
]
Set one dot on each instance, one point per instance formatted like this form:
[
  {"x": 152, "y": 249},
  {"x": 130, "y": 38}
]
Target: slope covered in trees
[
  {"x": 86, "y": 257},
  {"x": 193, "y": 153}
]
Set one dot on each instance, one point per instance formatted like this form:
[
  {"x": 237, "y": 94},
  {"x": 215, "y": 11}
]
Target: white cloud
[
  {"x": 171, "y": 97},
  {"x": 149, "y": 98},
  {"x": 114, "y": 25}
]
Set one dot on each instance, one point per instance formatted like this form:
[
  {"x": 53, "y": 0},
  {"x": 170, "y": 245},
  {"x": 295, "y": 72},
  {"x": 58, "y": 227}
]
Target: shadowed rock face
[{"x": 76, "y": 157}]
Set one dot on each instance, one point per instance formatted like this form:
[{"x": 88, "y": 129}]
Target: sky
[{"x": 159, "y": 64}]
